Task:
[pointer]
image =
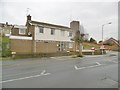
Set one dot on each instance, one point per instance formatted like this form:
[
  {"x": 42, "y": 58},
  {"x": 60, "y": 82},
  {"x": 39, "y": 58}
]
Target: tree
[
  {"x": 93, "y": 40},
  {"x": 100, "y": 41},
  {"x": 78, "y": 43}
]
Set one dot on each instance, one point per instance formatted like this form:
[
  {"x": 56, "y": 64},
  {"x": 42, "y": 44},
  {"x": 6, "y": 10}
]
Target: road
[{"x": 62, "y": 72}]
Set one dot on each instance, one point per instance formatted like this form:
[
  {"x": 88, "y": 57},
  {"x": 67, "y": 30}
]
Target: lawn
[
  {"x": 5, "y": 58},
  {"x": 90, "y": 45}
]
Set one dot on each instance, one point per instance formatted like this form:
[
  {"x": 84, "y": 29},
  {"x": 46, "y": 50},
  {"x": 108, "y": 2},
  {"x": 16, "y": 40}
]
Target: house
[
  {"x": 111, "y": 44},
  {"x": 111, "y": 41},
  {"x": 39, "y": 37},
  {"x": 5, "y": 29}
]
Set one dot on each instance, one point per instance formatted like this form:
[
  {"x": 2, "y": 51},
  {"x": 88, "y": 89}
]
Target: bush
[
  {"x": 93, "y": 41},
  {"x": 5, "y": 50},
  {"x": 79, "y": 55}
]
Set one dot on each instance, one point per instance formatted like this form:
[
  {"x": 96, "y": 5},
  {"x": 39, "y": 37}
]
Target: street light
[
  {"x": 102, "y": 32},
  {"x": 102, "y": 28}
]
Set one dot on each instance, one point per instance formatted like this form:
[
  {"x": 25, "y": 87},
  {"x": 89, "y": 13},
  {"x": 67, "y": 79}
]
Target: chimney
[
  {"x": 27, "y": 22},
  {"x": 7, "y": 23},
  {"x": 75, "y": 25},
  {"x": 28, "y": 17}
]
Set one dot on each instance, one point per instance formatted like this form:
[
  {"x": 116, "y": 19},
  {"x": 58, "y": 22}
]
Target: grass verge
[{"x": 6, "y": 58}]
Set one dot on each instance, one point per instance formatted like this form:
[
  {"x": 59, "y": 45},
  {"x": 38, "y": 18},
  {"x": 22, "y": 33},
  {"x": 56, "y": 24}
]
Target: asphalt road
[{"x": 62, "y": 72}]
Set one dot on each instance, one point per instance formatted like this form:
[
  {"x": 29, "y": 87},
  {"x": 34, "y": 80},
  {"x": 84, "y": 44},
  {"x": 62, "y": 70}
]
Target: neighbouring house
[
  {"x": 111, "y": 44},
  {"x": 39, "y": 37},
  {"x": 5, "y": 29},
  {"x": 111, "y": 41}
]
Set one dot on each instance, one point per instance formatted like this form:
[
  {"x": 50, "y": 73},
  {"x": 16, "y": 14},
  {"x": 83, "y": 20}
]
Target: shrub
[
  {"x": 5, "y": 47},
  {"x": 93, "y": 41},
  {"x": 5, "y": 51}
]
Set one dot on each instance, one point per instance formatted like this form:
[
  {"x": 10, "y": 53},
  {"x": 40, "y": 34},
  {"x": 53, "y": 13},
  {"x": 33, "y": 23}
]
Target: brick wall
[
  {"x": 21, "y": 46},
  {"x": 30, "y": 47},
  {"x": 46, "y": 47}
]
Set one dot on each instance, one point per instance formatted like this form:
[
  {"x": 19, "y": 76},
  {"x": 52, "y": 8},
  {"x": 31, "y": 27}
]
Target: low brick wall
[
  {"x": 41, "y": 55},
  {"x": 21, "y": 46},
  {"x": 97, "y": 52}
]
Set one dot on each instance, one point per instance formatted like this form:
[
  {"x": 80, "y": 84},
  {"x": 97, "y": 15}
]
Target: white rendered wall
[{"x": 47, "y": 35}]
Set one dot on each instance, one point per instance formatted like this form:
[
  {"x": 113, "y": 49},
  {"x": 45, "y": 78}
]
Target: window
[
  {"x": 70, "y": 45},
  {"x": 41, "y": 30},
  {"x": 22, "y": 31},
  {"x": 52, "y": 31},
  {"x": 62, "y": 33},
  {"x": 70, "y": 34},
  {"x": 62, "y": 46}
]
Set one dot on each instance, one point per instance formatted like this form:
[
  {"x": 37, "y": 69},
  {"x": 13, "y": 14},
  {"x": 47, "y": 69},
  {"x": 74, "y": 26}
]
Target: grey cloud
[{"x": 91, "y": 14}]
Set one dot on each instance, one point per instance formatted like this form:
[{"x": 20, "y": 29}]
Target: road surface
[{"x": 62, "y": 72}]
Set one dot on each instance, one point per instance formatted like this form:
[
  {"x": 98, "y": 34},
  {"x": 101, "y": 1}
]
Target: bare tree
[{"x": 78, "y": 43}]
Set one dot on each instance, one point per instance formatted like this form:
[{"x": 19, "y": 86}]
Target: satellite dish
[{"x": 29, "y": 34}]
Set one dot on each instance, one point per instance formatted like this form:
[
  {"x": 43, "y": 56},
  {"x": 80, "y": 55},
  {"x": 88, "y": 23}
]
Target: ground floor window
[
  {"x": 70, "y": 45},
  {"x": 22, "y": 31},
  {"x": 62, "y": 46}
]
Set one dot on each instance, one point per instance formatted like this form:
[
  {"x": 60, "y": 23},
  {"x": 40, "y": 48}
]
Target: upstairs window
[
  {"x": 22, "y": 31},
  {"x": 62, "y": 33},
  {"x": 70, "y": 34},
  {"x": 41, "y": 30},
  {"x": 52, "y": 31}
]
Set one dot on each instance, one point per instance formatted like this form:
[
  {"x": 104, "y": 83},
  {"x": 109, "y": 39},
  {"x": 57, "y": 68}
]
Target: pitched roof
[
  {"x": 112, "y": 39},
  {"x": 42, "y": 23}
]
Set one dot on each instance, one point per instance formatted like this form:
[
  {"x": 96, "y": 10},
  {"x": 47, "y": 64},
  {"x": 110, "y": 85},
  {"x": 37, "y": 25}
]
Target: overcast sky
[{"x": 90, "y": 14}]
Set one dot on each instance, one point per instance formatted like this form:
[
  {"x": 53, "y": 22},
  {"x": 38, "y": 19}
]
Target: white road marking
[
  {"x": 114, "y": 61},
  {"x": 42, "y": 74},
  {"x": 56, "y": 58},
  {"x": 22, "y": 73},
  {"x": 98, "y": 64},
  {"x": 76, "y": 67},
  {"x": 46, "y": 73},
  {"x": 95, "y": 56},
  {"x": 59, "y": 58},
  {"x": 20, "y": 78}
]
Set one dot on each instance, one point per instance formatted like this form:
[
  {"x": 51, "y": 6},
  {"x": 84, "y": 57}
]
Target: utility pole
[{"x": 102, "y": 35}]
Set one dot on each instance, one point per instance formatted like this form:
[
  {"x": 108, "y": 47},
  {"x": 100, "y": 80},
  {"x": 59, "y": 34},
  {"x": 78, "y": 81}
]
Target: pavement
[{"x": 97, "y": 71}]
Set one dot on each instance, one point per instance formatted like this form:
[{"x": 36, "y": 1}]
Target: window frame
[
  {"x": 41, "y": 28},
  {"x": 70, "y": 34},
  {"x": 22, "y": 32},
  {"x": 70, "y": 45},
  {"x": 52, "y": 31}
]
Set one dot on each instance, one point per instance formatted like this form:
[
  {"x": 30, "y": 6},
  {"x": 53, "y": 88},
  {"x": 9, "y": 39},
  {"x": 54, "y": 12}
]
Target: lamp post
[{"x": 103, "y": 33}]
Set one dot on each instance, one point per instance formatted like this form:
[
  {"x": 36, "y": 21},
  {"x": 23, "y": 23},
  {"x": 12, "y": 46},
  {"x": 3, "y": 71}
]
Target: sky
[{"x": 92, "y": 14}]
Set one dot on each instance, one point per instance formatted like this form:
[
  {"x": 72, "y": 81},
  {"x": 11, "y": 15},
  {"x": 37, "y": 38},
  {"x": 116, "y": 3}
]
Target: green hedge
[{"x": 5, "y": 48}]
